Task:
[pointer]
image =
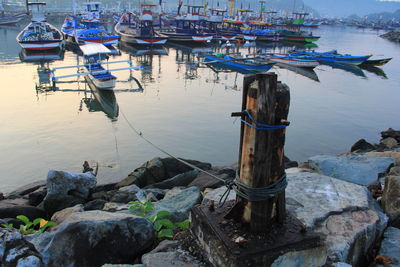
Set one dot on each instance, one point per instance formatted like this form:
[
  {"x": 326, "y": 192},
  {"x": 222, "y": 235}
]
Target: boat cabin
[
  {"x": 37, "y": 11},
  {"x": 91, "y": 12}
]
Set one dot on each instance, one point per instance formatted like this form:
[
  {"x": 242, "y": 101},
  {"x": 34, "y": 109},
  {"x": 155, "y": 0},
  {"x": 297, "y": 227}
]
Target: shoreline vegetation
[{"x": 351, "y": 199}]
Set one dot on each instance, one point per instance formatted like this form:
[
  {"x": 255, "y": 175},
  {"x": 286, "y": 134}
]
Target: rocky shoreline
[
  {"x": 352, "y": 200},
  {"x": 393, "y": 36}
]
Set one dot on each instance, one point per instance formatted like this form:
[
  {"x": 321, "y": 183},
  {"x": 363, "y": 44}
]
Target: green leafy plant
[
  {"x": 36, "y": 226},
  {"x": 164, "y": 227}
]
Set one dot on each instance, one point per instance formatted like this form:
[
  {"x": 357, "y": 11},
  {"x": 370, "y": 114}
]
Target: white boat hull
[
  {"x": 40, "y": 45},
  {"x": 104, "y": 85},
  {"x": 295, "y": 63},
  {"x": 202, "y": 38}
]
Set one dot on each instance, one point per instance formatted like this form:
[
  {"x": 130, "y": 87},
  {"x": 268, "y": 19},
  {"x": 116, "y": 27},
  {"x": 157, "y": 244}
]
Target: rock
[
  {"x": 390, "y": 246},
  {"x": 26, "y": 189},
  {"x": 123, "y": 265},
  {"x": 362, "y": 145},
  {"x": 289, "y": 163},
  {"x": 391, "y": 133},
  {"x": 393, "y": 36},
  {"x": 341, "y": 264},
  {"x": 229, "y": 171},
  {"x": 389, "y": 154},
  {"x": 66, "y": 189},
  {"x": 112, "y": 207},
  {"x": 61, "y": 215},
  {"x": 215, "y": 196},
  {"x": 104, "y": 195},
  {"x": 14, "y": 221},
  {"x": 96, "y": 204},
  {"x": 389, "y": 142},
  {"x": 182, "y": 179},
  {"x": 103, "y": 237},
  {"x": 204, "y": 181},
  {"x": 15, "y": 207},
  {"x": 157, "y": 170},
  {"x": 158, "y": 193},
  {"x": 173, "y": 192},
  {"x": 130, "y": 189},
  {"x": 179, "y": 205},
  {"x": 355, "y": 169},
  {"x": 170, "y": 259},
  {"x": 123, "y": 197},
  {"x": 1, "y": 196},
  {"x": 169, "y": 254},
  {"x": 18, "y": 252},
  {"x": 36, "y": 197},
  {"x": 391, "y": 199},
  {"x": 310, "y": 258},
  {"x": 395, "y": 171},
  {"x": 105, "y": 187}
]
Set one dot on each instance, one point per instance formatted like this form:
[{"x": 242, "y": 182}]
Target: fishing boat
[
  {"x": 85, "y": 28},
  {"x": 188, "y": 28},
  {"x": 300, "y": 62},
  {"x": 237, "y": 64},
  {"x": 332, "y": 57},
  {"x": 139, "y": 30},
  {"x": 11, "y": 20},
  {"x": 213, "y": 24},
  {"x": 376, "y": 62},
  {"x": 306, "y": 72},
  {"x": 93, "y": 69},
  {"x": 39, "y": 35}
]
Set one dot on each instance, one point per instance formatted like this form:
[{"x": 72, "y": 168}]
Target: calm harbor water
[{"x": 184, "y": 108}]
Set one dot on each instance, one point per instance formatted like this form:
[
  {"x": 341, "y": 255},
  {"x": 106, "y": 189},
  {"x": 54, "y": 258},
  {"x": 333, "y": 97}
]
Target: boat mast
[{"x": 231, "y": 5}]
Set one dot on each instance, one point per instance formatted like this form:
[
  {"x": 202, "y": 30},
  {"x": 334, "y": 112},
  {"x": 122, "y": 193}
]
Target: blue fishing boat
[
  {"x": 332, "y": 57},
  {"x": 85, "y": 28},
  {"x": 242, "y": 65},
  {"x": 300, "y": 61}
]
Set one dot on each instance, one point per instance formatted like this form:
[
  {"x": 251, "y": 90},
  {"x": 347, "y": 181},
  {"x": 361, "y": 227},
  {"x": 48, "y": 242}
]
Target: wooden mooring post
[
  {"x": 261, "y": 156},
  {"x": 255, "y": 230}
]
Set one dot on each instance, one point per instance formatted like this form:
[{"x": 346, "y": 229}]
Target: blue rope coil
[{"x": 258, "y": 125}]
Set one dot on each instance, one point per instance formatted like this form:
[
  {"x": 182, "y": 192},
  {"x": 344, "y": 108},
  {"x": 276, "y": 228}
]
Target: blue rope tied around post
[{"x": 258, "y": 125}]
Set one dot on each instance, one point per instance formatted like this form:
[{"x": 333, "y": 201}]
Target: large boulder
[
  {"x": 62, "y": 215},
  {"x": 26, "y": 189},
  {"x": 204, "y": 181},
  {"x": 343, "y": 212},
  {"x": 390, "y": 247},
  {"x": 362, "y": 145},
  {"x": 66, "y": 189},
  {"x": 157, "y": 170},
  {"x": 94, "y": 238},
  {"x": 391, "y": 199},
  {"x": 11, "y": 208},
  {"x": 182, "y": 179},
  {"x": 386, "y": 154},
  {"x": 355, "y": 169},
  {"x": 180, "y": 204},
  {"x": 391, "y": 133}
]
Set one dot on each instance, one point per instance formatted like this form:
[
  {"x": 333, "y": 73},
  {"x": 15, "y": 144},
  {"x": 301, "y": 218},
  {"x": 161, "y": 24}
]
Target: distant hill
[
  {"x": 385, "y": 16},
  {"x": 344, "y": 8}
]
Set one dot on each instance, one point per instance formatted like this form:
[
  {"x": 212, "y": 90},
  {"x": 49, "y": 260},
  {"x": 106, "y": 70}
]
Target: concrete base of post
[{"x": 227, "y": 244}]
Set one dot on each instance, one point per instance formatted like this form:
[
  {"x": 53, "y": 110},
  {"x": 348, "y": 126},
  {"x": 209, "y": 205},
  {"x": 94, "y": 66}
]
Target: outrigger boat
[
  {"x": 39, "y": 35},
  {"x": 332, "y": 57},
  {"x": 376, "y": 62},
  {"x": 93, "y": 68},
  {"x": 300, "y": 62},
  {"x": 86, "y": 28},
  {"x": 139, "y": 30},
  {"x": 243, "y": 65},
  {"x": 11, "y": 20}
]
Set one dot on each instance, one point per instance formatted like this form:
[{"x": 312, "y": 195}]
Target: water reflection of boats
[
  {"x": 101, "y": 100},
  {"x": 40, "y": 56},
  {"x": 348, "y": 68},
  {"x": 135, "y": 51},
  {"x": 373, "y": 69},
  {"x": 309, "y": 73},
  {"x": 191, "y": 49}
]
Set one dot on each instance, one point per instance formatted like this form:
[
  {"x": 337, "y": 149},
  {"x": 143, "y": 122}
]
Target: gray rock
[
  {"x": 62, "y": 215},
  {"x": 17, "y": 251},
  {"x": 182, "y": 179},
  {"x": 391, "y": 199},
  {"x": 362, "y": 145},
  {"x": 26, "y": 189},
  {"x": 341, "y": 264},
  {"x": 311, "y": 258},
  {"x": 204, "y": 181},
  {"x": 179, "y": 205},
  {"x": 123, "y": 197},
  {"x": 36, "y": 197},
  {"x": 130, "y": 189},
  {"x": 391, "y": 133},
  {"x": 229, "y": 171},
  {"x": 11, "y": 208},
  {"x": 65, "y": 189},
  {"x": 215, "y": 196},
  {"x": 96, "y": 204},
  {"x": 355, "y": 169},
  {"x": 395, "y": 171},
  {"x": 103, "y": 237},
  {"x": 112, "y": 207},
  {"x": 389, "y": 142},
  {"x": 123, "y": 265},
  {"x": 157, "y": 170},
  {"x": 170, "y": 259},
  {"x": 390, "y": 246},
  {"x": 158, "y": 193}
]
